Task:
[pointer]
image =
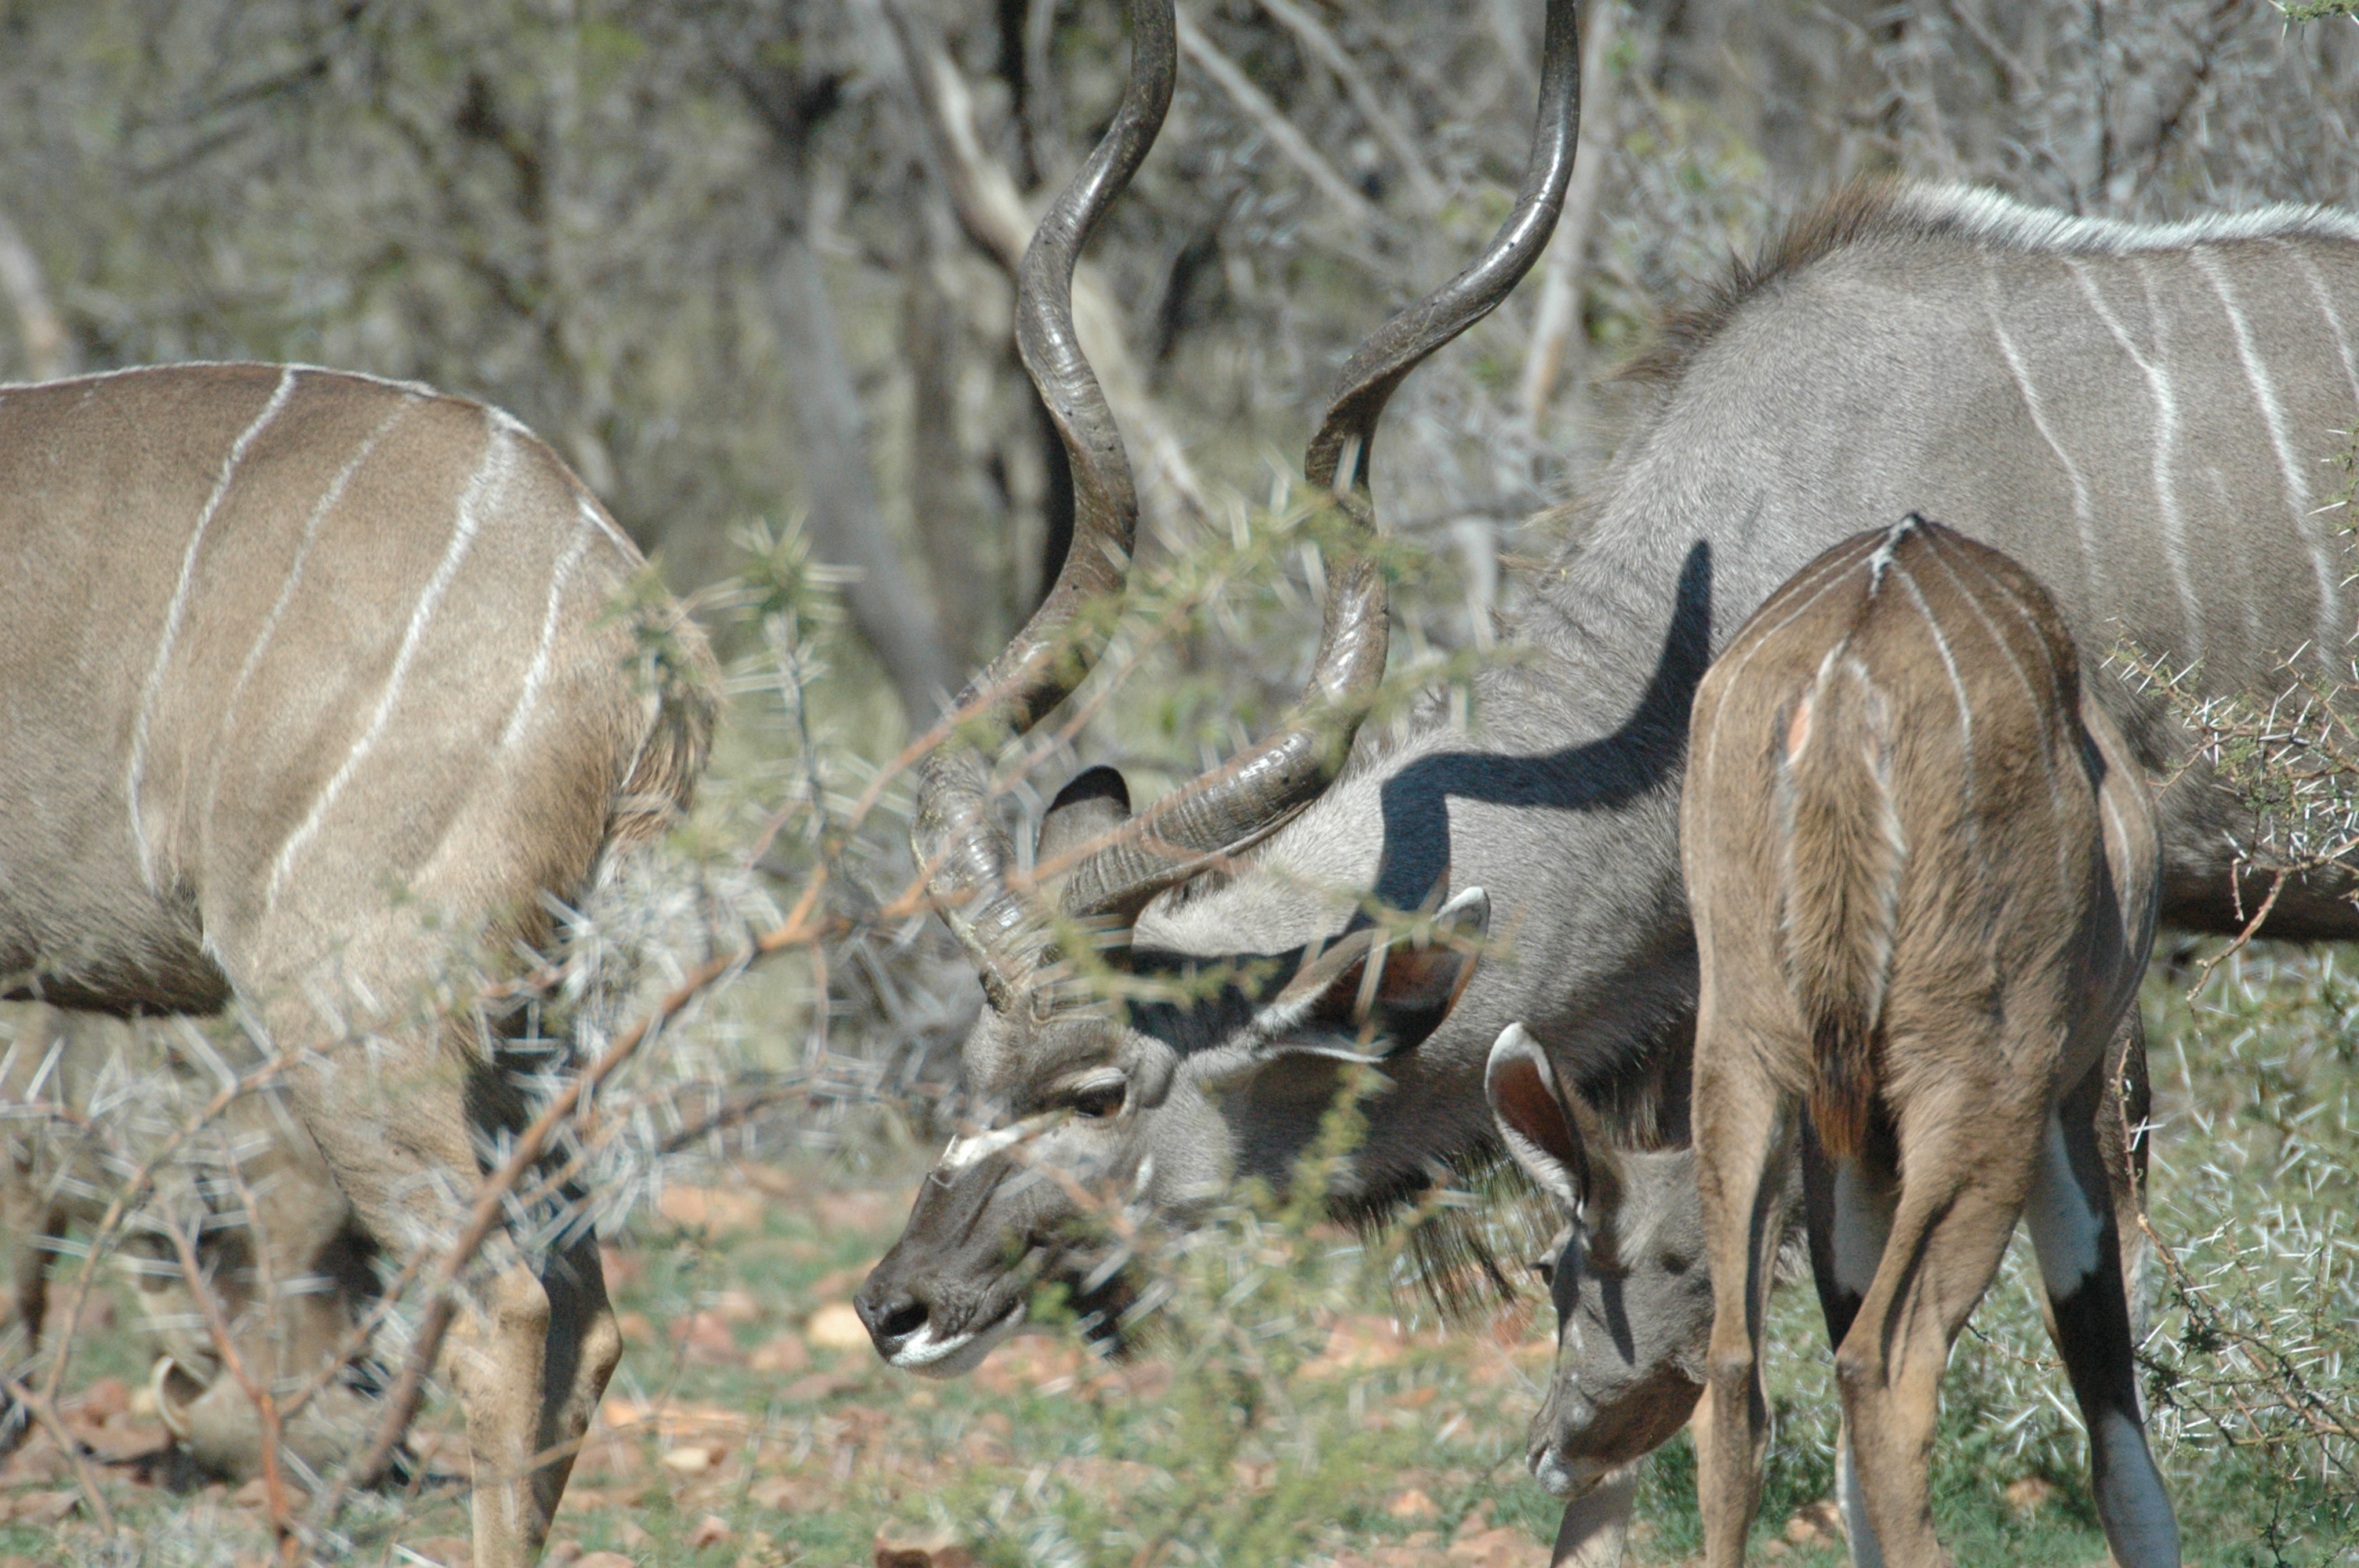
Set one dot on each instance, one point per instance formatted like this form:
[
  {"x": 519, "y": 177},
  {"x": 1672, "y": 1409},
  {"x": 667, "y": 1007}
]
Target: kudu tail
[{"x": 1841, "y": 852}]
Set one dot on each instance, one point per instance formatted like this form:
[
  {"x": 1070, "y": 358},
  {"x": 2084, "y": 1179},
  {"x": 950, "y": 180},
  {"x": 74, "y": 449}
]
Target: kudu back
[
  {"x": 1924, "y": 873},
  {"x": 317, "y": 708}
]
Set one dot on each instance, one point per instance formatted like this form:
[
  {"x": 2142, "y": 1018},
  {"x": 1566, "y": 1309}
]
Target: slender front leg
[
  {"x": 1960, "y": 1194},
  {"x": 584, "y": 1346},
  {"x": 2074, "y": 1231},
  {"x": 1743, "y": 1129},
  {"x": 1596, "y": 1528},
  {"x": 1847, "y": 1206}
]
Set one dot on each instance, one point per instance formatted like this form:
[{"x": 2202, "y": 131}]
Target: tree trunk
[{"x": 846, "y": 524}]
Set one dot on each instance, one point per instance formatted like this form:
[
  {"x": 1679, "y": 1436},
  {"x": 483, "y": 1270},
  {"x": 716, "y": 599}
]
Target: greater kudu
[
  {"x": 312, "y": 684},
  {"x": 1924, "y": 874},
  {"x": 2138, "y": 414}
]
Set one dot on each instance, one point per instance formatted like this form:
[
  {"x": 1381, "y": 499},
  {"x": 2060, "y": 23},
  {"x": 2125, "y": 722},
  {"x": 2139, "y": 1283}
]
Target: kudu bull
[
  {"x": 1924, "y": 875},
  {"x": 2137, "y": 413},
  {"x": 312, "y": 682}
]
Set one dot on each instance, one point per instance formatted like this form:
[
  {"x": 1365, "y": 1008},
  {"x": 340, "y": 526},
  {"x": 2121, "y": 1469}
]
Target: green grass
[{"x": 1275, "y": 1415}]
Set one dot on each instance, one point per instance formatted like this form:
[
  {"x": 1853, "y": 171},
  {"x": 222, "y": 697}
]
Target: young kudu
[
  {"x": 315, "y": 704},
  {"x": 1924, "y": 873}
]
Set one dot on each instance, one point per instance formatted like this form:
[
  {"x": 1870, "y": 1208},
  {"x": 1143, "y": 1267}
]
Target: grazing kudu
[
  {"x": 2139, "y": 415},
  {"x": 316, "y": 706},
  {"x": 1924, "y": 875},
  {"x": 1052, "y": 1076},
  {"x": 288, "y": 1271}
]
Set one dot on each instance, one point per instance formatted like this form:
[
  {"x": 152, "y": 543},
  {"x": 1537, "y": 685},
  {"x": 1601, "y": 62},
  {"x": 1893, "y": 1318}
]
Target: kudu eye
[
  {"x": 1098, "y": 1101},
  {"x": 1545, "y": 1269}
]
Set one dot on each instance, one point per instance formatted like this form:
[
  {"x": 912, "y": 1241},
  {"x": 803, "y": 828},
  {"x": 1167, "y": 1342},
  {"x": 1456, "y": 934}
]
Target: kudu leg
[
  {"x": 1847, "y": 1209},
  {"x": 1744, "y": 1133},
  {"x": 1959, "y": 1198},
  {"x": 396, "y": 1134},
  {"x": 2074, "y": 1231},
  {"x": 1595, "y": 1531},
  {"x": 583, "y": 1348}
]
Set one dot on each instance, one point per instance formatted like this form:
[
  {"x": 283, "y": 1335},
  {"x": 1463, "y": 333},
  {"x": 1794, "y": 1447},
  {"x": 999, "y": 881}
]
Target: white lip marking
[{"x": 961, "y": 1352}]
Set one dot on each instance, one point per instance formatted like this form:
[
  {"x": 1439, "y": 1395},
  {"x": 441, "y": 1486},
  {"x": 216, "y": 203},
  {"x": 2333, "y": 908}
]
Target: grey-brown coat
[
  {"x": 1924, "y": 874},
  {"x": 311, "y": 702}
]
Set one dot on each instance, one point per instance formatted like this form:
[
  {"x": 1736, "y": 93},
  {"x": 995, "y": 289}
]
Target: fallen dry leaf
[
  {"x": 1817, "y": 1523},
  {"x": 1411, "y": 1504},
  {"x": 2030, "y": 1494},
  {"x": 711, "y": 1530},
  {"x": 107, "y": 1397},
  {"x": 710, "y": 1208},
  {"x": 687, "y": 1461},
  {"x": 820, "y": 1387},
  {"x": 899, "y": 1546},
  {"x": 1502, "y": 1548},
  {"x": 836, "y": 1326},
  {"x": 40, "y": 1507},
  {"x": 707, "y": 1337},
  {"x": 786, "y": 1353}
]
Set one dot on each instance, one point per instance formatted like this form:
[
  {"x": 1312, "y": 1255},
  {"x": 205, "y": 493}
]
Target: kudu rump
[
  {"x": 311, "y": 683},
  {"x": 2141, "y": 415},
  {"x": 1924, "y": 874}
]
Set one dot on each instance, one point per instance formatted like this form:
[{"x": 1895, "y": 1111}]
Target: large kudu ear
[
  {"x": 1391, "y": 991},
  {"x": 1094, "y": 802},
  {"x": 1552, "y": 1131}
]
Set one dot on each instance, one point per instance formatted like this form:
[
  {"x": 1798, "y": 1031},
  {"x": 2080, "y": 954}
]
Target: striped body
[
  {"x": 274, "y": 637},
  {"x": 311, "y": 699},
  {"x": 1924, "y": 875},
  {"x": 2145, "y": 418}
]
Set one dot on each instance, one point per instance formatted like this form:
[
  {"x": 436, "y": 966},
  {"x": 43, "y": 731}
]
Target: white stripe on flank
[
  {"x": 327, "y": 503},
  {"x": 136, "y": 775},
  {"x": 1957, "y": 683},
  {"x": 594, "y": 513},
  {"x": 2326, "y": 309},
  {"x": 537, "y": 672},
  {"x": 2166, "y": 437},
  {"x": 2048, "y": 706},
  {"x": 488, "y": 480},
  {"x": 2083, "y": 514},
  {"x": 2265, "y": 394}
]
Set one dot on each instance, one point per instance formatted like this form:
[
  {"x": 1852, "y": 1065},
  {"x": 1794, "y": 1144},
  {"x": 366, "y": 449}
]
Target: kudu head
[
  {"x": 1075, "y": 1086},
  {"x": 1628, "y": 1275}
]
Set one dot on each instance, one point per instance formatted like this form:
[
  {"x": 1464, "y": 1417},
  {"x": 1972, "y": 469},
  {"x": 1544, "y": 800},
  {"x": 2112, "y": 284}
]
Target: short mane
[{"x": 1882, "y": 212}]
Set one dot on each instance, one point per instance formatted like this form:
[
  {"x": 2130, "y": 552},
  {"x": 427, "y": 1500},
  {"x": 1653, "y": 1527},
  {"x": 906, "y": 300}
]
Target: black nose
[{"x": 893, "y": 1317}]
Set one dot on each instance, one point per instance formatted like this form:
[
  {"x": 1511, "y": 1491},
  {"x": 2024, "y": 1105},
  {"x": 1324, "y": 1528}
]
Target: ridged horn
[
  {"x": 1250, "y": 796},
  {"x": 956, "y": 834}
]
